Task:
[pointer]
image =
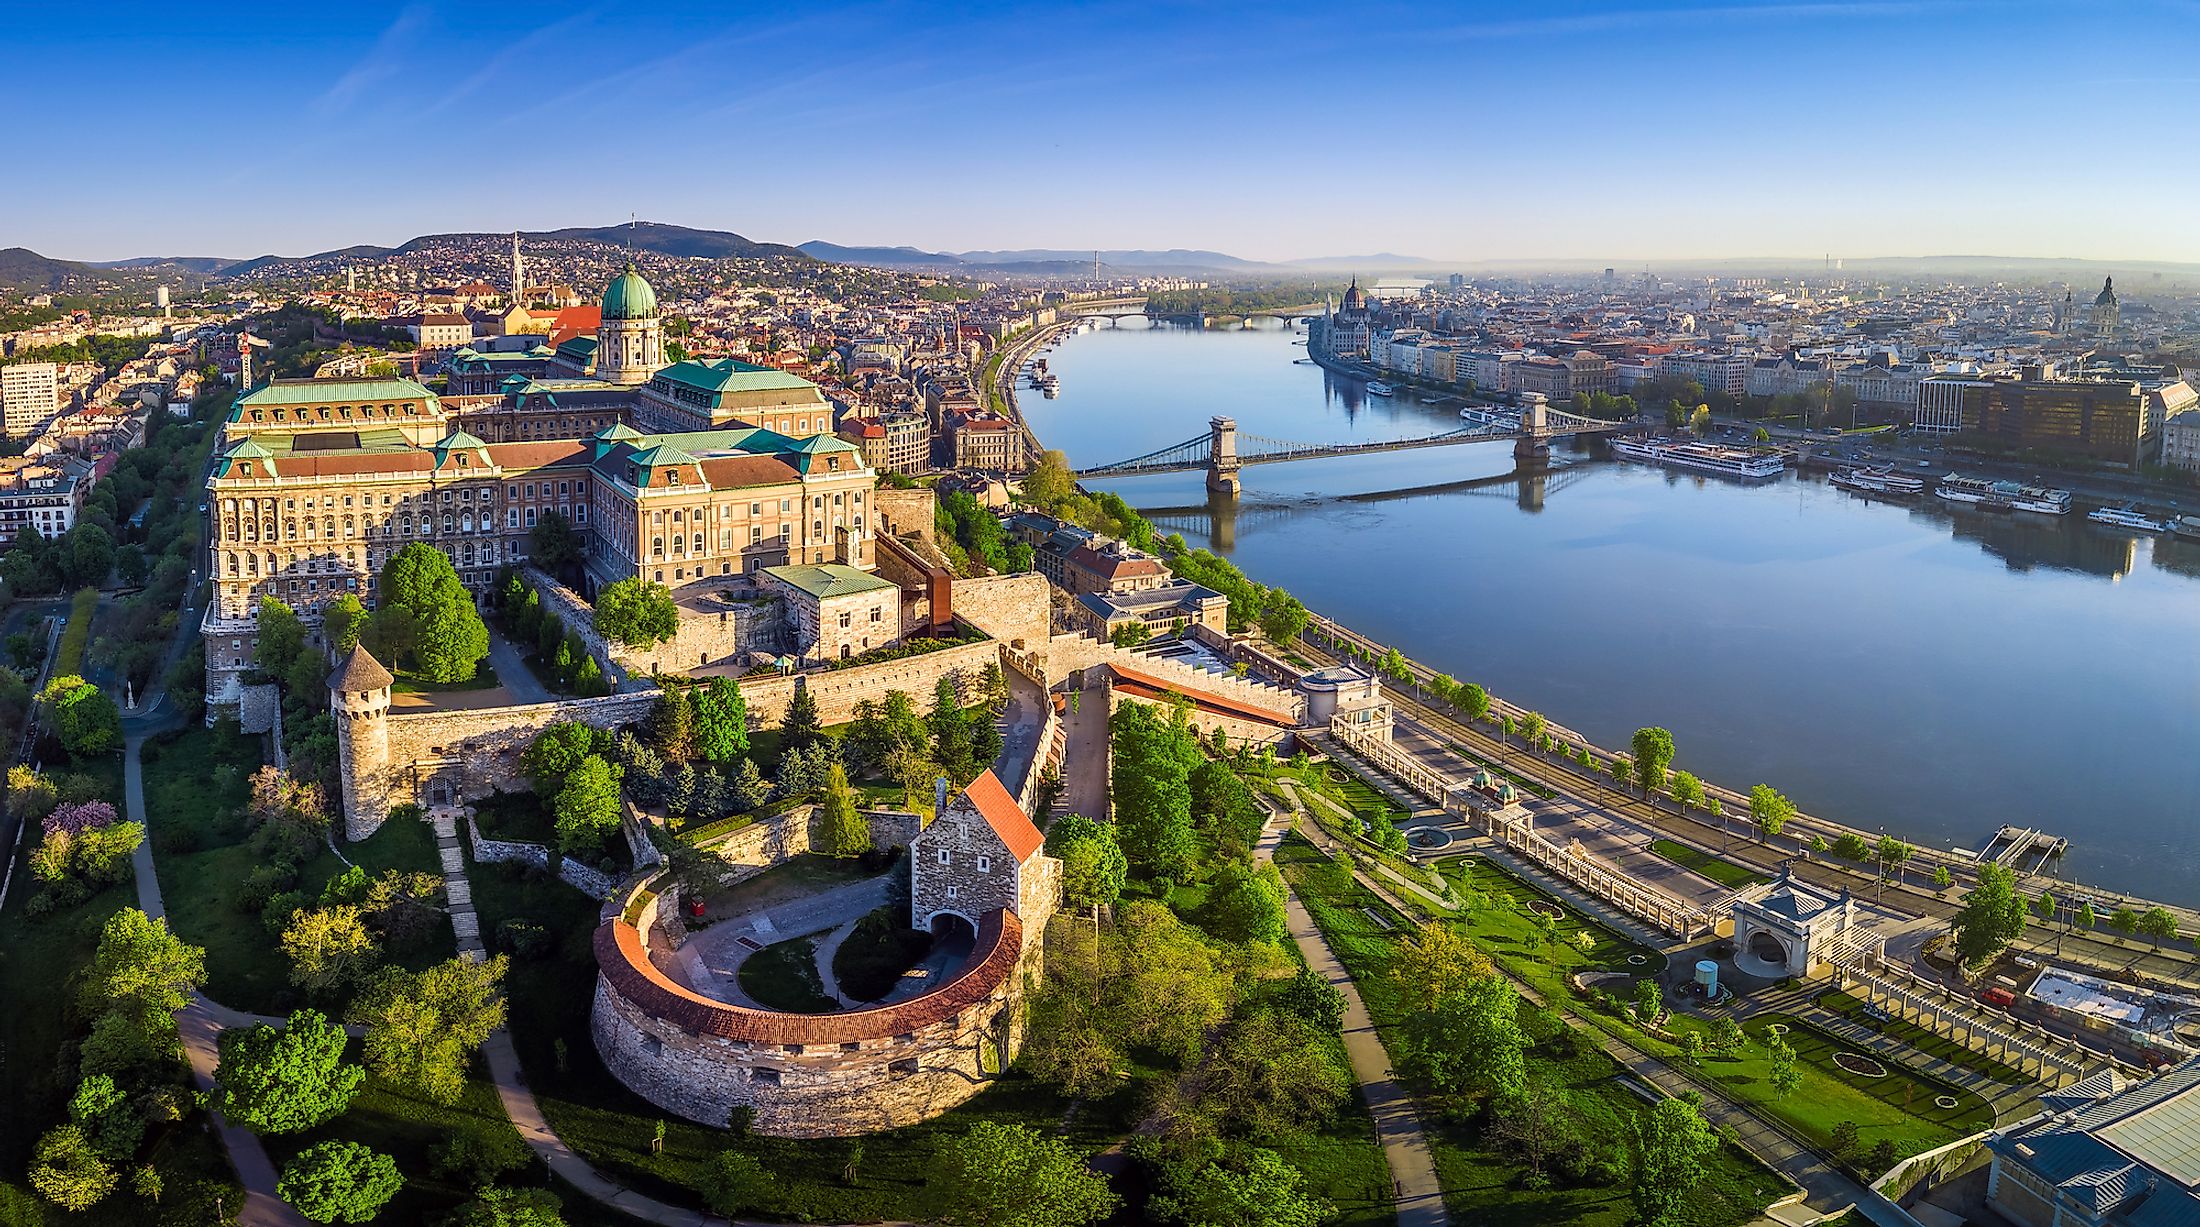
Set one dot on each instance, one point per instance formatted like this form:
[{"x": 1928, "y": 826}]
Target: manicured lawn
[
  {"x": 870, "y": 962},
  {"x": 196, "y": 785},
  {"x": 1482, "y": 1183},
  {"x": 1924, "y": 1041},
  {"x": 783, "y": 976},
  {"x": 1725, "y": 873},
  {"x": 1899, "y": 1107}
]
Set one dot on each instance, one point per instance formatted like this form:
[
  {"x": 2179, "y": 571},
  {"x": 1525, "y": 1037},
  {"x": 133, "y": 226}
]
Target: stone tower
[{"x": 359, "y": 699}]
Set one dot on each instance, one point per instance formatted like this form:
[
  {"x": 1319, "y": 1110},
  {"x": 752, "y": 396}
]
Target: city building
[
  {"x": 2107, "y": 314},
  {"x": 986, "y": 440},
  {"x": 2104, "y": 1152},
  {"x": 30, "y": 395},
  {"x": 2108, "y": 420},
  {"x": 1727, "y": 373},
  {"x": 892, "y": 442},
  {"x": 837, "y": 611},
  {"x": 1111, "y": 567},
  {"x": 1161, "y": 609},
  {"x": 2181, "y": 441},
  {"x": 41, "y": 495},
  {"x": 440, "y": 333},
  {"x": 1940, "y": 401}
]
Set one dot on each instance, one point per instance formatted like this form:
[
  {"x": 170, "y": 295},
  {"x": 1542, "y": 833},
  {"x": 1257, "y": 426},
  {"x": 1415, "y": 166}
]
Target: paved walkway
[
  {"x": 1085, "y": 755},
  {"x": 710, "y": 961},
  {"x": 1414, "y": 1186}
]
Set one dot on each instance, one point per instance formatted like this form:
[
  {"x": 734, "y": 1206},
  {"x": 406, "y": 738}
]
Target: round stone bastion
[{"x": 803, "y": 1075}]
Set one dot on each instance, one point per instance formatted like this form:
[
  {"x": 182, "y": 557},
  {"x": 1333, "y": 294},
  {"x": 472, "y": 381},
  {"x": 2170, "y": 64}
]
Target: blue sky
[{"x": 1583, "y": 129}]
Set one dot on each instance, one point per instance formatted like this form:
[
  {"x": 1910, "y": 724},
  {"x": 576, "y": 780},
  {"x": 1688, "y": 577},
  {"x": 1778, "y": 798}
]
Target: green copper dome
[{"x": 629, "y": 297}]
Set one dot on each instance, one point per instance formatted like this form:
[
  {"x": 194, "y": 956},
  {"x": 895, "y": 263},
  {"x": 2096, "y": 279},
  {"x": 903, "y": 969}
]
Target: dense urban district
[{"x": 633, "y": 726}]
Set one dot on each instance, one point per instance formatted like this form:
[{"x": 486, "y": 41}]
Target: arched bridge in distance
[{"x": 1224, "y": 450}]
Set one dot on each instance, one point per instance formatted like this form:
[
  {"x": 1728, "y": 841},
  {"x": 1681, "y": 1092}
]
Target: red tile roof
[
  {"x": 1007, "y": 819},
  {"x": 626, "y": 968},
  {"x": 573, "y": 322},
  {"x": 542, "y": 455}
]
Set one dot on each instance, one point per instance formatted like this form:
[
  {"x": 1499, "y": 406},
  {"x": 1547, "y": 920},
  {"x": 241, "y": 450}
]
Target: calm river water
[{"x": 1910, "y": 667}]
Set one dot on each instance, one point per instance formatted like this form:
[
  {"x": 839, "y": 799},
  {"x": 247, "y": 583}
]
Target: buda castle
[{"x": 672, "y": 473}]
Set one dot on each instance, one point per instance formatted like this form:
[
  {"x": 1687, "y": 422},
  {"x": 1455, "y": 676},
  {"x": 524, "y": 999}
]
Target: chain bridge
[{"x": 1224, "y": 450}]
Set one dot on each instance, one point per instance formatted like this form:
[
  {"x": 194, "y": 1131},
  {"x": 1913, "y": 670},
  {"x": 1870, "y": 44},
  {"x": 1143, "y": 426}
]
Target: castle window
[
  {"x": 769, "y": 1077},
  {"x": 954, "y": 892},
  {"x": 794, "y": 1049},
  {"x": 904, "y": 1068},
  {"x": 906, "y": 1037},
  {"x": 947, "y": 856},
  {"x": 985, "y": 864},
  {"x": 851, "y": 1046},
  {"x": 652, "y": 1046}
]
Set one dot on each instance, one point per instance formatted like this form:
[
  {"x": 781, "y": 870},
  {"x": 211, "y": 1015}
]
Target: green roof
[
  {"x": 289, "y": 392},
  {"x": 829, "y": 580},
  {"x": 629, "y": 297},
  {"x": 661, "y": 453},
  {"x": 729, "y": 375}
]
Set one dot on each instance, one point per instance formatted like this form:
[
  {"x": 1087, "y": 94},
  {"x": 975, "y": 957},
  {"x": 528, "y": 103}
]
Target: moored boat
[
  {"x": 1703, "y": 457},
  {"x": 2004, "y": 495},
  {"x": 1379, "y": 388},
  {"x": 2126, "y": 517},
  {"x": 1878, "y": 481}
]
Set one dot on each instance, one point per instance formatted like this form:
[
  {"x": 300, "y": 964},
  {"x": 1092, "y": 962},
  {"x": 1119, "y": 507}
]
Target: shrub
[{"x": 478, "y": 1158}]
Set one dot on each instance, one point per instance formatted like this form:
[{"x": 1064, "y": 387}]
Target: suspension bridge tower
[
  {"x": 1532, "y": 450},
  {"x": 1222, "y": 456}
]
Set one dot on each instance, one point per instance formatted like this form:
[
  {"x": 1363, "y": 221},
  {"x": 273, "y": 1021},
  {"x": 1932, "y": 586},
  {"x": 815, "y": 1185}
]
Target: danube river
[{"x": 1907, "y": 667}]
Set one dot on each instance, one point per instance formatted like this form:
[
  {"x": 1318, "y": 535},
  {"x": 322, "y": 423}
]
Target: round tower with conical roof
[
  {"x": 630, "y": 342},
  {"x": 359, "y": 699}
]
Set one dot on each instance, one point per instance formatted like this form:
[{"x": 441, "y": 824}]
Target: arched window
[
  {"x": 657, "y": 546},
  {"x": 698, "y": 543}
]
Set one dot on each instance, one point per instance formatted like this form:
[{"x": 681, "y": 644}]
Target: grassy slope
[
  {"x": 197, "y": 781},
  {"x": 1481, "y": 1183}
]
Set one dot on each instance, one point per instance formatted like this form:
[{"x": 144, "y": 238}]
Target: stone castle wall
[
  {"x": 1014, "y": 609},
  {"x": 908, "y": 513},
  {"x": 806, "y": 1075},
  {"x": 704, "y": 640},
  {"x": 455, "y": 756},
  {"x": 751, "y": 849}
]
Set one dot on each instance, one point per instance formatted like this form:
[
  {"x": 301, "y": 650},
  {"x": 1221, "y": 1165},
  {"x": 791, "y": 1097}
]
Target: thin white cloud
[
  {"x": 1626, "y": 19},
  {"x": 382, "y": 61}
]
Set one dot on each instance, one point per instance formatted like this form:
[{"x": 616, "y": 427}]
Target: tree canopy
[
  {"x": 636, "y": 613},
  {"x": 1008, "y": 1175},
  {"x": 1993, "y": 915},
  {"x": 282, "y": 1080},
  {"x": 84, "y": 718},
  {"x": 426, "y": 618},
  {"x": 339, "y": 1182}
]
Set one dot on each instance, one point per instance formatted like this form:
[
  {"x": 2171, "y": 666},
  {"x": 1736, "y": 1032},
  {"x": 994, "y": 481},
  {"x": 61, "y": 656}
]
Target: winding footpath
[{"x": 1418, "y": 1193}]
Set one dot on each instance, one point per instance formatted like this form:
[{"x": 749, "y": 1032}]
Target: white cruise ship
[
  {"x": 2004, "y": 495},
  {"x": 2125, "y": 517},
  {"x": 1379, "y": 388},
  {"x": 1879, "y": 481},
  {"x": 1703, "y": 457}
]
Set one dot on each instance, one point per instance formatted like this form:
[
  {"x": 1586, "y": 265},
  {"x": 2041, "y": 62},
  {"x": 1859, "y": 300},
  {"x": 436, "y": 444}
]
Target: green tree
[
  {"x": 1653, "y": 749},
  {"x": 282, "y": 1080},
  {"x": 1149, "y": 778},
  {"x": 141, "y": 970},
  {"x": 2087, "y": 918},
  {"x": 1006, "y": 1175},
  {"x": 2043, "y": 907},
  {"x": 721, "y": 721},
  {"x": 554, "y": 544},
  {"x": 1687, "y": 790},
  {"x": 1093, "y": 865},
  {"x": 800, "y": 729},
  {"x": 1252, "y": 1185},
  {"x": 281, "y": 637},
  {"x": 951, "y": 743},
  {"x": 636, "y": 613},
  {"x": 669, "y": 728},
  {"x": 422, "y": 1027},
  {"x": 2124, "y": 920},
  {"x": 1992, "y": 915},
  {"x": 1470, "y": 1043},
  {"x": 2159, "y": 924},
  {"x": 1726, "y": 1034},
  {"x": 68, "y": 1171},
  {"x": 343, "y": 622},
  {"x": 1048, "y": 484},
  {"x": 1246, "y": 904},
  {"x": 1760, "y": 436},
  {"x": 1851, "y": 847},
  {"x": 339, "y": 1182},
  {"x": 841, "y": 830},
  {"x": 1785, "y": 1077},
  {"x": 1474, "y": 701},
  {"x": 1532, "y": 726},
  {"x": 1130, "y": 634},
  {"x": 1769, "y": 811},
  {"x": 430, "y": 614},
  {"x": 555, "y": 752},
  {"x": 82, "y": 716},
  {"x": 1282, "y": 617},
  {"x": 1942, "y": 878},
  {"x": 1435, "y": 962},
  {"x": 501, "y": 1207},
  {"x": 1892, "y": 853},
  {"x": 587, "y": 806},
  {"x": 1692, "y": 1047},
  {"x": 737, "y": 1185},
  {"x": 107, "y": 1117},
  {"x": 1671, "y": 1144},
  {"x": 328, "y": 948},
  {"x": 1312, "y": 997}
]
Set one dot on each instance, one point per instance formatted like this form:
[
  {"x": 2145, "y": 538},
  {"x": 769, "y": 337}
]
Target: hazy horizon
[{"x": 1482, "y": 134}]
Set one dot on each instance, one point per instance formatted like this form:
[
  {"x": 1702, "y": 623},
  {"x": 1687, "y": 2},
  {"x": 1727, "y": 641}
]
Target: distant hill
[
  {"x": 657, "y": 237},
  {"x": 882, "y": 257},
  {"x": 24, "y": 269}
]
